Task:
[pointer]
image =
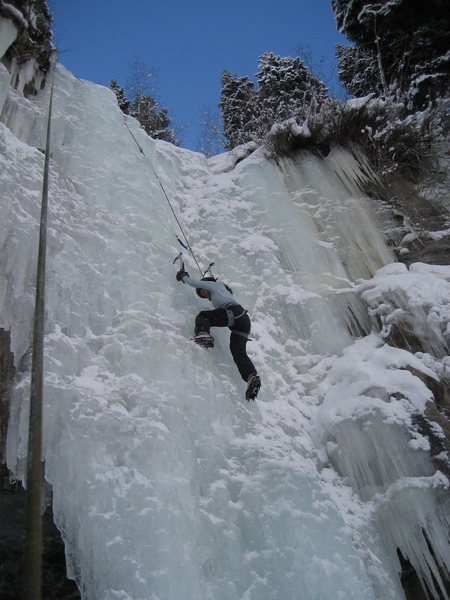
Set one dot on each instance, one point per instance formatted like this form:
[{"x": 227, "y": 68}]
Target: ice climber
[{"x": 227, "y": 313}]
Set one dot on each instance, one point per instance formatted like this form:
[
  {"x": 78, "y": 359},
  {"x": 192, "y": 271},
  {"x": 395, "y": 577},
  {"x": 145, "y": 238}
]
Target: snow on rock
[
  {"x": 227, "y": 161},
  {"x": 15, "y": 13},
  {"x": 166, "y": 483},
  {"x": 8, "y": 33},
  {"x": 417, "y": 299},
  {"x": 291, "y": 126}
]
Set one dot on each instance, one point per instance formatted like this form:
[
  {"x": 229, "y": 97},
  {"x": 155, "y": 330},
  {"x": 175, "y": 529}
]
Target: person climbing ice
[{"x": 227, "y": 313}]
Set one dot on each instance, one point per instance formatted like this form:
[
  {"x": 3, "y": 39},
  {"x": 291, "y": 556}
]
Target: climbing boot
[{"x": 253, "y": 385}]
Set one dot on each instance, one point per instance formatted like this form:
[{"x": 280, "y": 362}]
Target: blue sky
[{"x": 188, "y": 43}]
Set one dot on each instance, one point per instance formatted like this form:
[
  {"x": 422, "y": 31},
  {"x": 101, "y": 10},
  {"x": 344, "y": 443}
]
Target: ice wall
[
  {"x": 166, "y": 483},
  {"x": 8, "y": 33}
]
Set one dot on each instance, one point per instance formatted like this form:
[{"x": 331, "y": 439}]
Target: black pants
[{"x": 240, "y": 328}]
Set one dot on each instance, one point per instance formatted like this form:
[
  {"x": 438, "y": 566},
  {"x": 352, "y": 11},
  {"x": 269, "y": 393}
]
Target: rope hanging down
[
  {"x": 33, "y": 541},
  {"x": 187, "y": 246}
]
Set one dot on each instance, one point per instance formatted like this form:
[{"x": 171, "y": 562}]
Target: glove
[{"x": 181, "y": 273}]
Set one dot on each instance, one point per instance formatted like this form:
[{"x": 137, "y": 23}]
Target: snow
[
  {"x": 359, "y": 103},
  {"x": 226, "y": 162},
  {"x": 166, "y": 483},
  {"x": 419, "y": 295},
  {"x": 15, "y": 13},
  {"x": 291, "y": 126},
  {"x": 8, "y": 33}
]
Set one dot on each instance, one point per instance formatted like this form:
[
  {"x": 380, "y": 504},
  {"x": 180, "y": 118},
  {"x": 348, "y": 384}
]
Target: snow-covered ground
[{"x": 166, "y": 483}]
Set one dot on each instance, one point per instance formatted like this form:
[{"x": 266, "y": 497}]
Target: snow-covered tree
[
  {"x": 154, "y": 119},
  {"x": 285, "y": 88},
  {"x": 124, "y": 104},
  {"x": 239, "y": 110},
  {"x": 407, "y": 42},
  {"x": 163, "y": 129},
  {"x": 358, "y": 70},
  {"x": 141, "y": 104}
]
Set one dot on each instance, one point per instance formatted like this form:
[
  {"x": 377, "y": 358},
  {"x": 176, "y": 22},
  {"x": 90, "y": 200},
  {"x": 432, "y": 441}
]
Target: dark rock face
[
  {"x": 7, "y": 371},
  {"x": 422, "y": 237},
  {"x": 436, "y": 252},
  {"x": 422, "y": 223},
  {"x": 55, "y": 584},
  {"x": 436, "y": 413}
]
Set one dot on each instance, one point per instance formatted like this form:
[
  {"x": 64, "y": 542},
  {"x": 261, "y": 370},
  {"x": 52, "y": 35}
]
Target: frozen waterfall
[{"x": 166, "y": 483}]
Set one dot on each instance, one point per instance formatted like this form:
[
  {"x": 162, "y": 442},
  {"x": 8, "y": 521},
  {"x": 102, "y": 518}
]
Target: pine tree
[
  {"x": 239, "y": 110},
  {"x": 163, "y": 127},
  {"x": 154, "y": 120},
  {"x": 407, "y": 42},
  {"x": 358, "y": 71},
  {"x": 285, "y": 89},
  {"x": 143, "y": 109},
  {"x": 124, "y": 104}
]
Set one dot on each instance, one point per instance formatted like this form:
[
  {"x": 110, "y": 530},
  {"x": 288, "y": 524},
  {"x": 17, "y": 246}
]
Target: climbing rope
[
  {"x": 187, "y": 246},
  {"x": 33, "y": 523}
]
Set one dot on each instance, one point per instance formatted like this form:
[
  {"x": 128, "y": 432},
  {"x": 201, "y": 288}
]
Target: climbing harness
[
  {"x": 33, "y": 522},
  {"x": 186, "y": 245},
  {"x": 232, "y": 318}
]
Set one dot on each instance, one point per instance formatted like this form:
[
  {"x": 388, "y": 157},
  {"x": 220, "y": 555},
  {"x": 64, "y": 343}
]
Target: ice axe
[
  {"x": 208, "y": 270},
  {"x": 178, "y": 257}
]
